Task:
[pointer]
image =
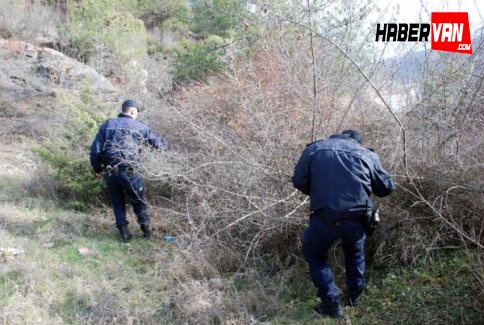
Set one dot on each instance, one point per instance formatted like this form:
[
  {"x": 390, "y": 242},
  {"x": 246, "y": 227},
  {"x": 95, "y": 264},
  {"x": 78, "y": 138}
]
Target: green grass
[
  {"x": 53, "y": 281},
  {"x": 442, "y": 290},
  {"x": 8, "y": 286},
  {"x": 9, "y": 189}
]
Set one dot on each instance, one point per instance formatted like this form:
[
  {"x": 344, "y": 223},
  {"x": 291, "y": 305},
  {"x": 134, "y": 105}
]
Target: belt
[
  {"x": 121, "y": 169},
  {"x": 338, "y": 215},
  {"x": 339, "y": 218},
  {"x": 335, "y": 223},
  {"x": 116, "y": 170}
]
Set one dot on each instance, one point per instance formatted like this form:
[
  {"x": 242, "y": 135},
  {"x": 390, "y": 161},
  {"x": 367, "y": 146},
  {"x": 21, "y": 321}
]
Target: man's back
[
  {"x": 339, "y": 174},
  {"x": 119, "y": 141}
]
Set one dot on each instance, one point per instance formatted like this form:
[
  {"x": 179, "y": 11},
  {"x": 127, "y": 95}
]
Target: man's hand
[{"x": 100, "y": 175}]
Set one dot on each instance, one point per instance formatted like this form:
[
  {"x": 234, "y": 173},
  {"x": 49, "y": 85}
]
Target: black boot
[
  {"x": 147, "y": 232},
  {"x": 332, "y": 309},
  {"x": 125, "y": 233},
  {"x": 354, "y": 297}
]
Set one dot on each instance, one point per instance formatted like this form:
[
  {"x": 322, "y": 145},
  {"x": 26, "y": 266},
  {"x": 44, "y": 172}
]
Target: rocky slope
[{"x": 30, "y": 78}]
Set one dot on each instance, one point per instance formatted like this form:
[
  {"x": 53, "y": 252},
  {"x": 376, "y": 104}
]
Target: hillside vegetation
[{"x": 237, "y": 90}]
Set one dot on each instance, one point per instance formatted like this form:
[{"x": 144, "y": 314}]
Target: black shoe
[
  {"x": 333, "y": 311},
  {"x": 354, "y": 297},
  {"x": 354, "y": 301},
  {"x": 147, "y": 232},
  {"x": 125, "y": 233}
]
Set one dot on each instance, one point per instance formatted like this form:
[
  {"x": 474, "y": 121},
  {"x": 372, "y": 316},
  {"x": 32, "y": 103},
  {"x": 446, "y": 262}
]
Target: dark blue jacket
[
  {"x": 339, "y": 175},
  {"x": 119, "y": 142}
]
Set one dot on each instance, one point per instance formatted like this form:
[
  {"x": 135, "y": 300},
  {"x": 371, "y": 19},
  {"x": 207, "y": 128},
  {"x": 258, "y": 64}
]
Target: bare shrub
[
  {"x": 238, "y": 137},
  {"x": 438, "y": 204},
  {"x": 30, "y": 21},
  {"x": 446, "y": 150},
  {"x": 42, "y": 184},
  {"x": 237, "y": 140}
]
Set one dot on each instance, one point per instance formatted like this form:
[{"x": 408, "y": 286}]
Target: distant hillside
[{"x": 409, "y": 67}]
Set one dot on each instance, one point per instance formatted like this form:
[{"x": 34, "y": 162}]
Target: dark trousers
[
  {"x": 318, "y": 239},
  {"x": 122, "y": 185}
]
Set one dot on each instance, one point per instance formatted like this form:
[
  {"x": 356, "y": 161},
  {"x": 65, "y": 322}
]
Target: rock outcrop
[{"x": 30, "y": 77}]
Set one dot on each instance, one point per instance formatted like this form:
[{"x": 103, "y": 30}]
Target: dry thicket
[
  {"x": 223, "y": 188},
  {"x": 30, "y": 21},
  {"x": 225, "y": 183}
]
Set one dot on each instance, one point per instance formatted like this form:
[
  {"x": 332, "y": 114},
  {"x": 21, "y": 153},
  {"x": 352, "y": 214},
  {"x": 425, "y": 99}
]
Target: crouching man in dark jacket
[
  {"x": 115, "y": 155},
  {"x": 339, "y": 175}
]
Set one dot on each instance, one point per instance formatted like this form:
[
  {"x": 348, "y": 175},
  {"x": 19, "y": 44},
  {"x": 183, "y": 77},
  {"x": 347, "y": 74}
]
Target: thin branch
[
  {"x": 264, "y": 168},
  {"x": 373, "y": 86},
  {"x": 313, "y": 63},
  {"x": 440, "y": 215},
  {"x": 260, "y": 210}
]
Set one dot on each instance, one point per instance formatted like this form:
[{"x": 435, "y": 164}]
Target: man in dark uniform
[
  {"x": 115, "y": 155},
  {"x": 339, "y": 175}
]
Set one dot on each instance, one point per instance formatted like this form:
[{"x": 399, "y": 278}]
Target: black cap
[
  {"x": 131, "y": 103},
  {"x": 354, "y": 135}
]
